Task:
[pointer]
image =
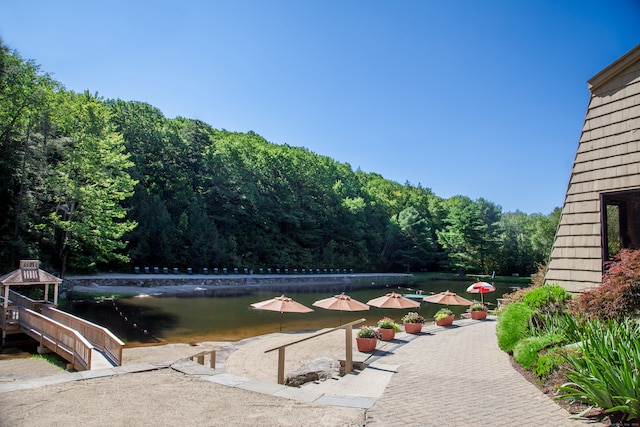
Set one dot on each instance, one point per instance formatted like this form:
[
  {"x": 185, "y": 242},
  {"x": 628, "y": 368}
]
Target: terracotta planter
[
  {"x": 366, "y": 344},
  {"x": 387, "y": 334},
  {"x": 446, "y": 321},
  {"x": 413, "y": 328},
  {"x": 479, "y": 315}
]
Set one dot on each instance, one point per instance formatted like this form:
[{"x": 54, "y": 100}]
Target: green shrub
[
  {"x": 537, "y": 280},
  {"x": 606, "y": 373},
  {"x": 549, "y": 362},
  {"x": 513, "y": 325},
  {"x": 526, "y": 350},
  {"x": 547, "y": 299}
]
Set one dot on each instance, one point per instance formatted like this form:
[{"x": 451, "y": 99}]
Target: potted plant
[
  {"x": 388, "y": 328},
  {"x": 444, "y": 317},
  {"x": 367, "y": 339},
  {"x": 412, "y": 323},
  {"x": 478, "y": 311}
]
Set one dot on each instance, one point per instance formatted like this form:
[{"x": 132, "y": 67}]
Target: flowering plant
[
  {"x": 478, "y": 307},
  {"x": 412, "y": 317},
  {"x": 442, "y": 313},
  {"x": 368, "y": 332},
  {"x": 388, "y": 323}
]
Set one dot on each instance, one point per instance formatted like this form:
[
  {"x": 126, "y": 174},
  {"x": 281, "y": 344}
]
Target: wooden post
[
  {"x": 55, "y": 294},
  {"x": 4, "y": 315},
  {"x": 348, "y": 333},
  {"x": 201, "y": 359},
  {"x": 212, "y": 363},
  {"x": 349, "y": 344},
  {"x": 46, "y": 292},
  {"x": 281, "y": 365}
]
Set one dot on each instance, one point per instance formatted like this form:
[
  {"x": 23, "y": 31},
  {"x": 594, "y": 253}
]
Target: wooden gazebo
[{"x": 30, "y": 274}]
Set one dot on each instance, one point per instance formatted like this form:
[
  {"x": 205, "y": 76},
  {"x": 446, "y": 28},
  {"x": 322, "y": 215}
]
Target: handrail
[
  {"x": 64, "y": 341},
  {"x": 25, "y": 302},
  {"x": 100, "y": 337},
  {"x": 200, "y": 358},
  {"x": 348, "y": 327}
]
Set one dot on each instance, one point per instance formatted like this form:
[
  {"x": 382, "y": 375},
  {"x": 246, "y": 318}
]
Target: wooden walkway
[{"x": 83, "y": 344}]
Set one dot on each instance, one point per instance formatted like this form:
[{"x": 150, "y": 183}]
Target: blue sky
[{"x": 476, "y": 98}]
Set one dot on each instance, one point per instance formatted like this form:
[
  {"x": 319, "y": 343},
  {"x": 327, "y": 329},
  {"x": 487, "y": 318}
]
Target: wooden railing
[
  {"x": 26, "y": 302},
  {"x": 348, "y": 328},
  {"x": 100, "y": 337},
  {"x": 9, "y": 318},
  {"x": 62, "y": 340}
]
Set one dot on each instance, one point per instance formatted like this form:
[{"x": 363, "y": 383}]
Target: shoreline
[{"x": 219, "y": 285}]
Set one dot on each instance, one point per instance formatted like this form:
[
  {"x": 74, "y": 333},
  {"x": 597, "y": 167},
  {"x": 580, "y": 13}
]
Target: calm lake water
[{"x": 148, "y": 320}]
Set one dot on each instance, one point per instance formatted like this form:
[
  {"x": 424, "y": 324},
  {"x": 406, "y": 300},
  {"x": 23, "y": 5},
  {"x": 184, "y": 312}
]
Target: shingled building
[{"x": 601, "y": 212}]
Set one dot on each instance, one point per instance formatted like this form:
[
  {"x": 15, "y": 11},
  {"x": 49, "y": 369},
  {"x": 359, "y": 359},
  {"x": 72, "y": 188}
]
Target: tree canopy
[{"x": 92, "y": 184}]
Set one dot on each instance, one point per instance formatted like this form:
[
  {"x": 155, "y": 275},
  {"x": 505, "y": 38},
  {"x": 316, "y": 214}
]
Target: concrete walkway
[
  {"x": 459, "y": 377},
  {"x": 454, "y": 376}
]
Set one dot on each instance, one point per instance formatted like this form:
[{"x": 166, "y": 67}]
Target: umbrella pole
[{"x": 281, "y": 315}]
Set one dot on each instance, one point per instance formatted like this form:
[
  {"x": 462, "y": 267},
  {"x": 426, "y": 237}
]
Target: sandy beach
[{"x": 167, "y": 396}]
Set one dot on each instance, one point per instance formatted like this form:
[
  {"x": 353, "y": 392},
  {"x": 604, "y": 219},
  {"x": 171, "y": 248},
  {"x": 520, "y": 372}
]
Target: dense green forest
[{"x": 92, "y": 184}]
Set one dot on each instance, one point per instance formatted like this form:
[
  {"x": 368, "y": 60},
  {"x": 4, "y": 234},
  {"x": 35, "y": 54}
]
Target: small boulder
[{"x": 318, "y": 369}]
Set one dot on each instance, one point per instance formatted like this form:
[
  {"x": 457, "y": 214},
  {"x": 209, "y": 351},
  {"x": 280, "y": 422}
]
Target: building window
[{"x": 620, "y": 222}]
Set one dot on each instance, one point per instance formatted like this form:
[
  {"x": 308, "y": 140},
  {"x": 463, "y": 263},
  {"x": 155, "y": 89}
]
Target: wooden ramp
[
  {"x": 99, "y": 361},
  {"x": 83, "y": 344}
]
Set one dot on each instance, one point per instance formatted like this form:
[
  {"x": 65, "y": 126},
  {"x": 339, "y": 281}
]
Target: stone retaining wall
[{"x": 275, "y": 282}]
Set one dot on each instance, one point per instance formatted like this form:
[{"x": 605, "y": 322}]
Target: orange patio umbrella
[
  {"x": 393, "y": 300},
  {"x": 283, "y": 304},
  {"x": 342, "y": 303},
  {"x": 447, "y": 298}
]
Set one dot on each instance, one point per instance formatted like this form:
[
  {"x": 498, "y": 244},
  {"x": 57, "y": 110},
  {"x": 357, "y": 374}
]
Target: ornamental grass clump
[
  {"x": 606, "y": 372},
  {"x": 558, "y": 323}
]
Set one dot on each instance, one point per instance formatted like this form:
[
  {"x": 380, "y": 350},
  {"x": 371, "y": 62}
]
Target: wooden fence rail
[
  {"x": 62, "y": 340},
  {"x": 348, "y": 328},
  {"x": 200, "y": 358},
  {"x": 100, "y": 337}
]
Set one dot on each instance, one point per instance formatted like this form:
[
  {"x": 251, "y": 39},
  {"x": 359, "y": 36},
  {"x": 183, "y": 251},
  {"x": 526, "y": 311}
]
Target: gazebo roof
[{"x": 29, "y": 273}]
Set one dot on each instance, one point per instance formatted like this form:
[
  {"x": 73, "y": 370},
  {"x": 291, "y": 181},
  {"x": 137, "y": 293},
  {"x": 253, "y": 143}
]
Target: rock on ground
[{"x": 322, "y": 368}]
